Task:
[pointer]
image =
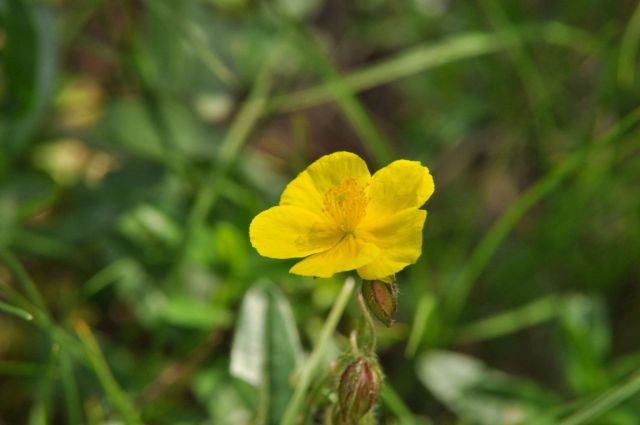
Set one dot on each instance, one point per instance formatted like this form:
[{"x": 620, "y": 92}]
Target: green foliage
[{"x": 139, "y": 139}]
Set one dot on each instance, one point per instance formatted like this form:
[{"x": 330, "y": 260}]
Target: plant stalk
[{"x": 312, "y": 364}]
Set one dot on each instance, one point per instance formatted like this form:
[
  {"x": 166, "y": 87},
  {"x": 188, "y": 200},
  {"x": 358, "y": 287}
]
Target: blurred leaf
[
  {"x": 225, "y": 245},
  {"x": 147, "y": 225},
  {"x": 129, "y": 126},
  {"x": 298, "y": 9},
  {"x": 223, "y": 398},
  {"x": 586, "y": 332},
  {"x": 29, "y": 62},
  {"x": 266, "y": 347},
  {"x": 194, "y": 313},
  {"x": 24, "y": 194},
  {"x": 231, "y": 246},
  {"x": 481, "y": 395},
  {"x": 21, "y": 195}
]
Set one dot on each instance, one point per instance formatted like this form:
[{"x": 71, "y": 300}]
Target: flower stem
[
  {"x": 369, "y": 339},
  {"x": 312, "y": 364}
]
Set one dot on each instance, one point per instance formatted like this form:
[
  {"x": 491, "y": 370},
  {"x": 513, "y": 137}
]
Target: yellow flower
[{"x": 340, "y": 217}]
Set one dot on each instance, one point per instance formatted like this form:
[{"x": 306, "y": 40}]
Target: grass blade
[
  {"x": 105, "y": 377},
  {"x": 15, "y": 311},
  {"x": 72, "y": 402},
  {"x": 418, "y": 59},
  {"x": 461, "y": 287},
  {"x": 351, "y": 107},
  {"x": 23, "y": 278},
  {"x": 511, "y": 321},
  {"x": 606, "y": 402},
  {"x": 629, "y": 50}
]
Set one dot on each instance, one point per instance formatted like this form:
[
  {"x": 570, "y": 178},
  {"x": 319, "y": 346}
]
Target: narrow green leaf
[
  {"x": 15, "y": 311},
  {"x": 460, "y": 288},
  {"x": 420, "y": 58},
  {"x": 72, "y": 401},
  {"x": 511, "y": 321},
  {"x": 353, "y": 110},
  {"x": 111, "y": 387},
  {"x": 627, "y": 62},
  {"x": 607, "y": 401},
  {"x": 423, "y": 316},
  {"x": 23, "y": 278}
]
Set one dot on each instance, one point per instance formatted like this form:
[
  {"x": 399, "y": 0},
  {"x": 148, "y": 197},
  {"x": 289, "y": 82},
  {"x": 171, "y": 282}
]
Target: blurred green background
[{"x": 139, "y": 138}]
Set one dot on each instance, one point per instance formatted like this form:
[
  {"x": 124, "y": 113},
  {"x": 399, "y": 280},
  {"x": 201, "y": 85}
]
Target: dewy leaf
[
  {"x": 481, "y": 395},
  {"x": 266, "y": 347}
]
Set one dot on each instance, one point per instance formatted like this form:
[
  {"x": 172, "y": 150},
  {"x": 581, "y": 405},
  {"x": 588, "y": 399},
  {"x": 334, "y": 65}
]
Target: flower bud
[
  {"x": 381, "y": 297},
  {"x": 359, "y": 389}
]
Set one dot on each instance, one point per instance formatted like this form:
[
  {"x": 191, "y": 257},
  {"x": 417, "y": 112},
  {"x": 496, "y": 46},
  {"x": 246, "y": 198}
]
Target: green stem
[
  {"x": 312, "y": 364},
  {"x": 371, "y": 340},
  {"x": 606, "y": 402}
]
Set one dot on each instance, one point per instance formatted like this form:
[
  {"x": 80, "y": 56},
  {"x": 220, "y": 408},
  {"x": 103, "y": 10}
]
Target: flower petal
[
  {"x": 349, "y": 254},
  {"x": 400, "y": 185},
  {"x": 399, "y": 238},
  {"x": 291, "y": 232},
  {"x": 308, "y": 188}
]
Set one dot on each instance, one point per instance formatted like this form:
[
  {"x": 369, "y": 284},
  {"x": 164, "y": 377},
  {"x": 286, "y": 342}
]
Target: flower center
[{"x": 346, "y": 204}]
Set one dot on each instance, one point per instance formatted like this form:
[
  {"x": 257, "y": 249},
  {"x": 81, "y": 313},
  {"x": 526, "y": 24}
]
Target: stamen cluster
[{"x": 346, "y": 204}]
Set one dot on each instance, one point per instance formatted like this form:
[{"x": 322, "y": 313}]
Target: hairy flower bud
[
  {"x": 359, "y": 389},
  {"x": 381, "y": 297}
]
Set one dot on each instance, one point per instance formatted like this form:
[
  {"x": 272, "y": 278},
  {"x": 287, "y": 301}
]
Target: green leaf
[
  {"x": 586, "y": 332},
  {"x": 29, "y": 60},
  {"x": 148, "y": 225},
  {"x": 223, "y": 397},
  {"x": 479, "y": 394},
  {"x": 266, "y": 348},
  {"x": 194, "y": 313}
]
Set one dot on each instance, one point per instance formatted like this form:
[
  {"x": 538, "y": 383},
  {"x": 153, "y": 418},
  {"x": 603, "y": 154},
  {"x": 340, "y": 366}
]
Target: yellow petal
[
  {"x": 291, "y": 232},
  {"x": 400, "y": 185},
  {"x": 349, "y": 254},
  {"x": 399, "y": 238},
  {"x": 308, "y": 188}
]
